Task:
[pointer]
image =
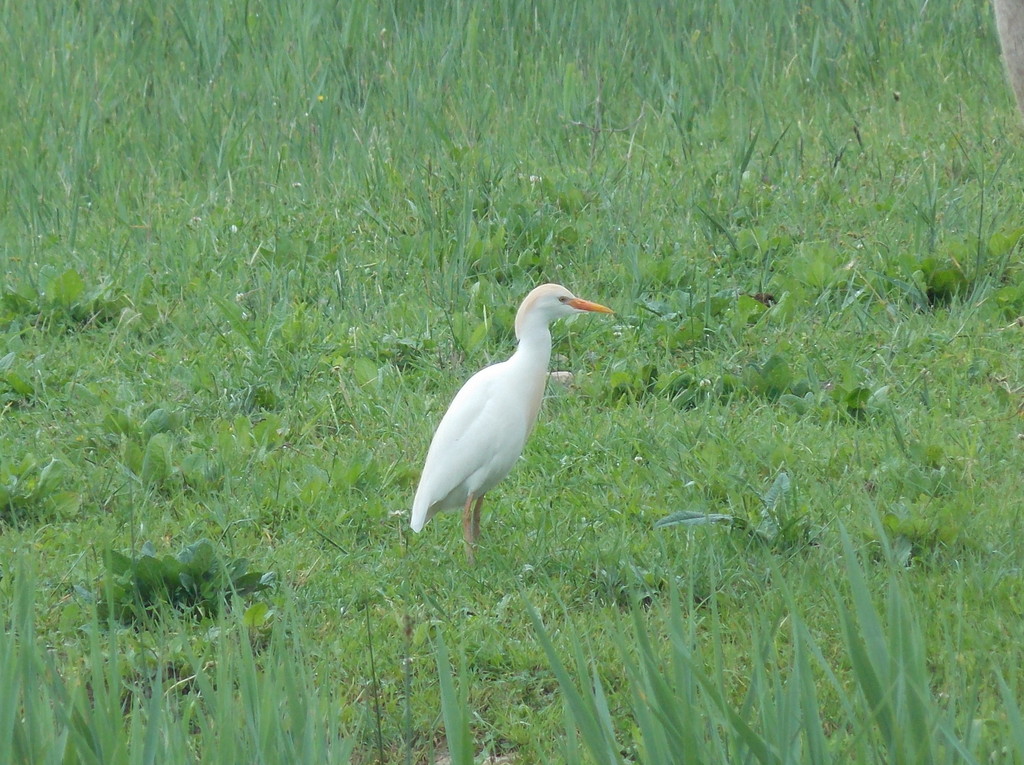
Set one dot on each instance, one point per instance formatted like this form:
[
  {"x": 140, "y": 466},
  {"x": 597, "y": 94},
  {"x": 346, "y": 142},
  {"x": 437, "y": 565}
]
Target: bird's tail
[{"x": 420, "y": 513}]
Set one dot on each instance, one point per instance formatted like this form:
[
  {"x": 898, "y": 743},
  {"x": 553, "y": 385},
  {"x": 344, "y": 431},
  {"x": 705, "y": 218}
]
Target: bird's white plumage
[
  {"x": 486, "y": 426},
  {"x": 478, "y": 441}
]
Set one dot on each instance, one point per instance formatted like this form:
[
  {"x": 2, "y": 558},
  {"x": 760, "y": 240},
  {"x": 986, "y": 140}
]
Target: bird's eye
[{"x": 563, "y": 299}]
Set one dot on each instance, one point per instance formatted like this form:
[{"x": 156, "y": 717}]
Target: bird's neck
[{"x": 534, "y": 348}]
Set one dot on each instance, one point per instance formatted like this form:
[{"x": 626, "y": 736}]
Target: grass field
[{"x": 250, "y": 250}]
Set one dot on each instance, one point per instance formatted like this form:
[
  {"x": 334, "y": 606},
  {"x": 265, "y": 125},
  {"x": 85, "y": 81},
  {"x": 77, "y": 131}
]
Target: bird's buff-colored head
[{"x": 552, "y": 301}]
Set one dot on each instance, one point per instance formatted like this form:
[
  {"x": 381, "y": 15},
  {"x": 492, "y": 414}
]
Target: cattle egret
[{"x": 484, "y": 430}]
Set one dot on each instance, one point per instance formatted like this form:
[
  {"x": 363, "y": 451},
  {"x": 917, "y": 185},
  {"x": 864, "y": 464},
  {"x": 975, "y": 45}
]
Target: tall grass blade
[
  {"x": 1014, "y": 720},
  {"x": 454, "y": 708},
  {"x": 597, "y": 737}
]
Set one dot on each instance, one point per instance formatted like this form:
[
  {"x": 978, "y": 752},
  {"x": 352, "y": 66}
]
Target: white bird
[{"x": 484, "y": 430}]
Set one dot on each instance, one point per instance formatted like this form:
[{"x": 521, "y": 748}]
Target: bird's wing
[{"x": 481, "y": 431}]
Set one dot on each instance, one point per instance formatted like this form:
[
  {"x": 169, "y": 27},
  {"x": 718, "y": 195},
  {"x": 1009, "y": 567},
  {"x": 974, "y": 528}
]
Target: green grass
[{"x": 249, "y": 253}]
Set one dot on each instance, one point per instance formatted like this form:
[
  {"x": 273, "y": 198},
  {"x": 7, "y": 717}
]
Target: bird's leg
[
  {"x": 476, "y": 518},
  {"x": 467, "y": 530}
]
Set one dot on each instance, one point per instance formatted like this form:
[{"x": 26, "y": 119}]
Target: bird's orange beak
[{"x": 585, "y": 305}]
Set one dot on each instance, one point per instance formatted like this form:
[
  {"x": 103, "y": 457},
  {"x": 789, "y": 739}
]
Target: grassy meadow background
[{"x": 250, "y": 250}]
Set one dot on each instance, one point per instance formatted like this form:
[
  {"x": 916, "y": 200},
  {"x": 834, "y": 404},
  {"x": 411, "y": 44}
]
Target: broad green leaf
[
  {"x": 66, "y": 502},
  {"x": 152, "y": 574},
  {"x": 18, "y": 383},
  {"x": 117, "y": 422},
  {"x": 798, "y": 404},
  {"x": 364, "y": 371},
  {"x": 1004, "y": 240},
  {"x": 691, "y": 518},
  {"x": 27, "y": 465},
  {"x": 238, "y": 321},
  {"x": 66, "y": 288},
  {"x": 779, "y": 489},
  {"x": 199, "y": 557},
  {"x": 256, "y": 615},
  {"x": 857, "y": 399},
  {"x": 156, "y": 461},
  {"x": 160, "y": 420},
  {"x": 49, "y": 478},
  {"x": 117, "y": 563}
]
